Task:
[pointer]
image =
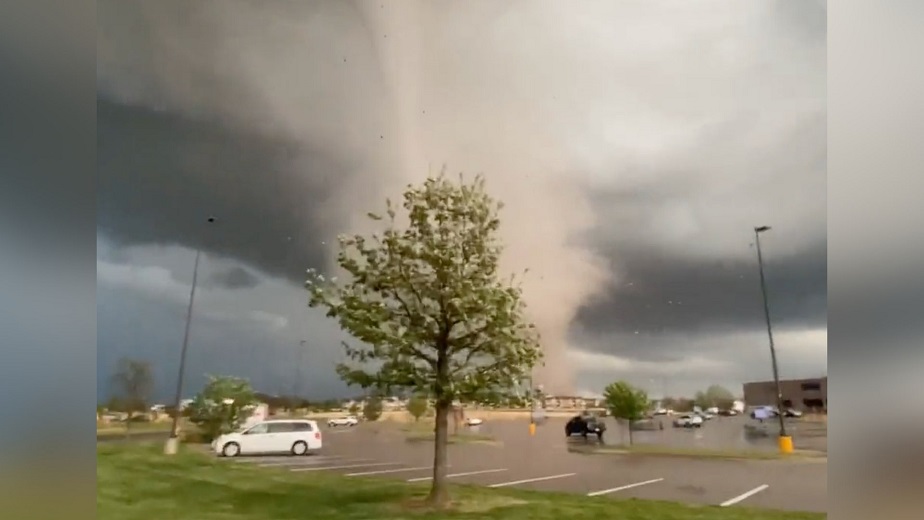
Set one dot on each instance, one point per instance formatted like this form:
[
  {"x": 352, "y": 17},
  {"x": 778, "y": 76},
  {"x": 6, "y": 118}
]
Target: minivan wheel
[
  {"x": 232, "y": 449},
  {"x": 300, "y": 448}
]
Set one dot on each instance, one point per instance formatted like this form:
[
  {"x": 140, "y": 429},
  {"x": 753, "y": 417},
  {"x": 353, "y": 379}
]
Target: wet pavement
[
  {"x": 548, "y": 462},
  {"x": 718, "y": 434}
]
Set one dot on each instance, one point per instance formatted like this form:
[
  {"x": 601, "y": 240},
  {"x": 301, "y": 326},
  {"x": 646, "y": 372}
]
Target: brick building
[{"x": 801, "y": 394}]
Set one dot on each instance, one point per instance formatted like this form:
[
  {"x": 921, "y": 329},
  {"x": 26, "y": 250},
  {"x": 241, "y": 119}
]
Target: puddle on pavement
[{"x": 720, "y": 434}]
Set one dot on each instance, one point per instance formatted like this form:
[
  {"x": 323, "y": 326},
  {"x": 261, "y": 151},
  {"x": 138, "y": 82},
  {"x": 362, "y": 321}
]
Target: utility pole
[
  {"x": 173, "y": 441},
  {"x": 785, "y": 441},
  {"x": 532, "y": 405}
]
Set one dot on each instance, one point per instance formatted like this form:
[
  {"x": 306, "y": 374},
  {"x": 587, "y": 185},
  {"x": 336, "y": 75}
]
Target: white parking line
[
  {"x": 284, "y": 459},
  {"x": 385, "y": 471},
  {"x": 537, "y": 479},
  {"x": 312, "y": 463},
  {"x": 348, "y": 466},
  {"x": 621, "y": 488},
  {"x": 451, "y": 475},
  {"x": 739, "y": 498}
]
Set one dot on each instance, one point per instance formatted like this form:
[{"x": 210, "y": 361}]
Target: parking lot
[{"x": 549, "y": 462}]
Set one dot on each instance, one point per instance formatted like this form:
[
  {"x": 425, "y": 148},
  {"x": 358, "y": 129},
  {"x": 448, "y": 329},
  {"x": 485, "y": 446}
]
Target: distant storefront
[{"x": 802, "y": 394}]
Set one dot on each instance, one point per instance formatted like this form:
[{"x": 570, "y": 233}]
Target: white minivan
[{"x": 293, "y": 436}]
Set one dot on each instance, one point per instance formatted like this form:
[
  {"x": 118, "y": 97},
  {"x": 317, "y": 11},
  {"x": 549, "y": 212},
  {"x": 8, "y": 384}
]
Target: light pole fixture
[
  {"x": 173, "y": 442},
  {"x": 532, "y": 405},
  {"x": 785, "y": 441}
]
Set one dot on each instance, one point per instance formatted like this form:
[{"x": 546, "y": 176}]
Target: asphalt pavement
[{"x": 548, "y": 462}]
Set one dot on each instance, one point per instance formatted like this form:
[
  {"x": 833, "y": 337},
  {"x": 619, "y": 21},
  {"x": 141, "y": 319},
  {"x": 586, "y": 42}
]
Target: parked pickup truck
[{"x": 349, "y": 420}]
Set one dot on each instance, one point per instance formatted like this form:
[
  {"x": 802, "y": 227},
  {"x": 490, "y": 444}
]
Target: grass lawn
[
  {"x": 138, "y": 427},
  {"x": 137, "y": 482},
  {"x": 649, "y": 449}
]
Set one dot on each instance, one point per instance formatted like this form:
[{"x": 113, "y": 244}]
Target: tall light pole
[
  {"x": 173, "y": 441},
  {"x": 532, "y": 404},
  {"x": 785, "y": 440}
]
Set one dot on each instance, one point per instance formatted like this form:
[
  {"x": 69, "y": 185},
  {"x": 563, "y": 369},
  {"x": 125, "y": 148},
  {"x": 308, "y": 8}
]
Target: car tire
[
  {"x": 231, "y": 449},
  {"x": 300, "y": 449}
]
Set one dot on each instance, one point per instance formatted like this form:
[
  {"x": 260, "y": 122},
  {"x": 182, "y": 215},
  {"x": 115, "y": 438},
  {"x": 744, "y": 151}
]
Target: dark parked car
[{"x": 585, "y": 425}]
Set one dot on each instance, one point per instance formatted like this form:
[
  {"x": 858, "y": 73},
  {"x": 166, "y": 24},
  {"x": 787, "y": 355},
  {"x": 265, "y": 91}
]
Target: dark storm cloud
[
  {"x": 216, "y": 346},
  {"x": 661, "y": 294},
  {"x": 234, "y": 278},
  {"x": 292, "y": 119},
  {"x": 160, "y": 175},
  {"x": 46, "y": 153}
]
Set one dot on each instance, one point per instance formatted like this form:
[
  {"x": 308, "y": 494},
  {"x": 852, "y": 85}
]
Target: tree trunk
[
  {"x": 629, "y": 423},
  {"x": 439, "y": 494}
]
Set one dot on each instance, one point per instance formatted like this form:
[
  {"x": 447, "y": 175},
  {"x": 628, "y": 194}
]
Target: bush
[
  {"x": 222, "y": 406},
  {"x": 373, "y": 409}
]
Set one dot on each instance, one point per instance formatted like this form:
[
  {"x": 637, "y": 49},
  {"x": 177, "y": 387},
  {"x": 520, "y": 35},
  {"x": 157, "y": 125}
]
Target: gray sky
[{"x": 635, "y": 146}]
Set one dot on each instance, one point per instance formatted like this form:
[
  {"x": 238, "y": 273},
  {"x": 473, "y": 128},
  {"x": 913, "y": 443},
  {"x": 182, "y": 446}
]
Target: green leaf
[
  {"x": 223, "y": 405},
  {"x": 625, "y": 401},
  {"x": 426, "y": 303}
]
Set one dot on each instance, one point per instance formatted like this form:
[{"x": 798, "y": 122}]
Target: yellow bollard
[
  {"x": 532, "y": 428},
  {"x": 785, "y": 443}
]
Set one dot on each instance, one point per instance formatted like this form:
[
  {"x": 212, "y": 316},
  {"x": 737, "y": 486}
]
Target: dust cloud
[{"x": 398, "y": 90}]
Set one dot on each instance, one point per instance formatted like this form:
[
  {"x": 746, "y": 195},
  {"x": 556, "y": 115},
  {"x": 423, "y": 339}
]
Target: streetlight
[
  {"x": 532, "y": 405},
  {"x": 785, "y": 441},
  {"x": 173, "y": 441}
]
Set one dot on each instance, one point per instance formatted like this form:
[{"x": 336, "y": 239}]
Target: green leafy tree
[
  {"x": 714, "y": 396},
  {"x": 373, "y": 408},
  {"x": 354, "y": 409},
  {"x": 222, "y": 406},
  {"x": 626, "y": 402},
  {"x": 417, "y": 407},
  {"x": 133, "y": 381},
  {"x": 428, "y": 308}
]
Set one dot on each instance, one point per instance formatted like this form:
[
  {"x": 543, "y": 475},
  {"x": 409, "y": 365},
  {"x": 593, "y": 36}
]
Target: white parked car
[
  {"x": 293, "y": 436},
  {"x": 472, "y": 421},
  {"x": 349, "y": 420},
  {"x": 688, "y": 421}
]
